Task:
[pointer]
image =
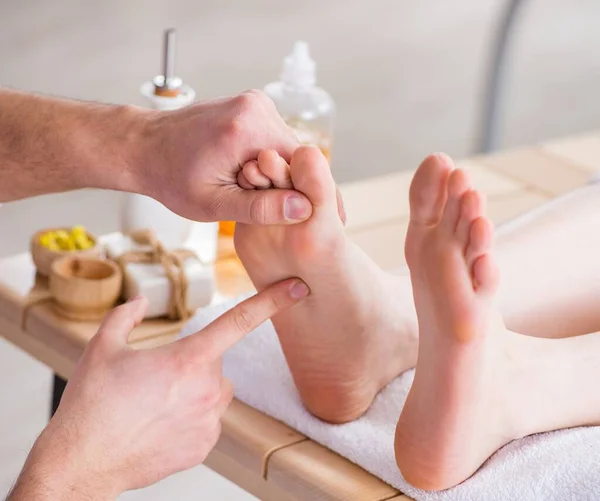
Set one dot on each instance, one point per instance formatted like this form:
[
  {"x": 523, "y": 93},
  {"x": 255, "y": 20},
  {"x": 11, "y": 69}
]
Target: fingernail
[
  {"x": 299, "y": 290},
  {"x": 297, "y": 207},
  {"x": 135, "y": 298}
]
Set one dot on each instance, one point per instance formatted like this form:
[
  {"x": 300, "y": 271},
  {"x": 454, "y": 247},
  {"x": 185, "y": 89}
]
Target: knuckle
[
  {"x": 259, "y": 210},
  {"x": 184, "y": 365},
  {"x": 257, "y": 96},
  {"x": 247, "y": 102},
  {"x": 245, "y": 108},
  {"x": 243, "y": 319},
  {"x": 233, "y": 129},
  {"x": 275, "y": 301}
]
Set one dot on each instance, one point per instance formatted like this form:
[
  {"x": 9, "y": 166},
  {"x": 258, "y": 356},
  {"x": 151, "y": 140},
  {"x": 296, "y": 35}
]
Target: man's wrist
[{"x": 113, "y": 147}]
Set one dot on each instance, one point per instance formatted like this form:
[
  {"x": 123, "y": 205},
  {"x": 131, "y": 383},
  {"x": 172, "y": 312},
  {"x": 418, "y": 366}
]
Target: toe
[
  {"x": 311, "y": 175},
  {"x": 472, "y": 206},
  {"x": 254, "y": 176},
  {"x": 485, "y": 275},
  {"x": 458, "y": 185},
  {"x": 275, "y": 168},
  {"x": 428, "y": 189},
  {"x": 243, "y": 182},
  {"x": 480, "y": 239}
]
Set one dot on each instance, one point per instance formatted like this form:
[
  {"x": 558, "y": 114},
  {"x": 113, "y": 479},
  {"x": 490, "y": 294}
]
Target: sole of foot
[{"x": 356, "y": 330}]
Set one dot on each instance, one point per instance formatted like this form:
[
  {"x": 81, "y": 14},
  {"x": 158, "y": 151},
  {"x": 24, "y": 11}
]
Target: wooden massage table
[{"x": 261, "y": 455}]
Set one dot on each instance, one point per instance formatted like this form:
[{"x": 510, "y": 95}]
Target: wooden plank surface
[
  {"x": 43, "y": 323},
  {"x": 377, "y": 200},
  {"x": 309, "y": 471},
  {"x": 384, "y": 243},
  {"x": 582, "y": 151},
  {"x": 540, "y": 169},
  {"x": 252, "y": 437},
  {"x": 384, "y": 199},
  {"x": 488, "y": 181},
  {"x": 504, "y": 209},
  {"x": 250, "y": 481}
]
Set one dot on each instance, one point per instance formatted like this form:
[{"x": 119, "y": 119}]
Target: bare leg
[
  {"x": 549, "y": 264},
  {"x": 477, "y": 385},
  {"x": 550, "y": 267}
]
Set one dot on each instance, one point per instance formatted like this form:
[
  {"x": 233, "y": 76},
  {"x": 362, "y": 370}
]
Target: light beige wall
[{"x": 407, "y": 76}]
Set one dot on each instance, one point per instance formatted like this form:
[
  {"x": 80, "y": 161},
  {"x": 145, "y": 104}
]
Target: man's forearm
[
  {"x": 52, "y": 472},
  {"x": 50, "y": 145}
]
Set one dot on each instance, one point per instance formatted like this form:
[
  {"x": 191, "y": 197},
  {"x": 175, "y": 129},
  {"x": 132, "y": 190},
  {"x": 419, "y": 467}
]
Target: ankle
[{"x": 518, "y": 388}]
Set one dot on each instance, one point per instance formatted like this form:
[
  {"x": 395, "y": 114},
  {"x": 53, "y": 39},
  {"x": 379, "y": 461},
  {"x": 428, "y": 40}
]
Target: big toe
[
  {"x": 428, "y": 190},
  {"x": 311, "y": 175}
]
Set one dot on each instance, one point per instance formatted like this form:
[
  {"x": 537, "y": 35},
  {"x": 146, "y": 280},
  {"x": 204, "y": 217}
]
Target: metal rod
[
  {"x": 496, "y": 79},
  {"x": 169, "y": 56}
]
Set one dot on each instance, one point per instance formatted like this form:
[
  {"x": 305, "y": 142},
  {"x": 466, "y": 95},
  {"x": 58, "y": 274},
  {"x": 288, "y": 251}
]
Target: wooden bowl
[
  {"x": 84, "y": 288},
  {"x": 44, "y": 257}
]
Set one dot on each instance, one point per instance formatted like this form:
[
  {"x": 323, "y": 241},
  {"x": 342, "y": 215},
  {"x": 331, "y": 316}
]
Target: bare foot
[
  {"x": 456, "y": 414},
  {"x": 356, "y": 331}
]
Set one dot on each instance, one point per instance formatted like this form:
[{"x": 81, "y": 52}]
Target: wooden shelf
[
  {"x": 539, "y": 169},
  {"x": 309, "y": 471},
  {"x": 581, "y": 151}
]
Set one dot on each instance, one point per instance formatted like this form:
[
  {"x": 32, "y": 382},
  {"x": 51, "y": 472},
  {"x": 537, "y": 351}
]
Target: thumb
[
  {"x": 272, "y": 206},
  {"x": 119, "y": 323}
]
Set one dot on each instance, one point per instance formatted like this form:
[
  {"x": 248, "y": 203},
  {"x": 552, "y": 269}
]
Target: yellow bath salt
[
  {"x": 62, "y": 240},
  {"x": 82, "y": 242},
  {"x": 46, "y": 240},
  {"x": 78, "y": 231}
]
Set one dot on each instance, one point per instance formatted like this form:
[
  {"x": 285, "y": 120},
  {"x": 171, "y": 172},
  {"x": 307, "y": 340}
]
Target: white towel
[{"x": 558, "y": 466}]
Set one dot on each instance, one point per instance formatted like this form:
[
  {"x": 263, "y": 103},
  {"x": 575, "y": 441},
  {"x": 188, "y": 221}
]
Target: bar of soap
[{"x": 151, "y": 279}]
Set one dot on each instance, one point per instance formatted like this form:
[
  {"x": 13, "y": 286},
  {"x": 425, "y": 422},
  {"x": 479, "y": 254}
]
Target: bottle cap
[{"x": 299, "y": 69}]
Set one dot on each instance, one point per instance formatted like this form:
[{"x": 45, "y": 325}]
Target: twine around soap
[{"x": 173, "y": 263}]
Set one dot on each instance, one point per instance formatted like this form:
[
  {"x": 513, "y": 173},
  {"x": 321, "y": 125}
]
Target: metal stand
[
  {"x": 494, "y": 92},
  {"x": 58, "y": 387}
]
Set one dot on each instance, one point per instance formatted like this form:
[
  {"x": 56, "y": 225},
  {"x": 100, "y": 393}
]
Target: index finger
[{"x": 224, "y": 332}]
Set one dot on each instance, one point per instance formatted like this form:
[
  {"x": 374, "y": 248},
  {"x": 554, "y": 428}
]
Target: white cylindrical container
[{"x": 167, "y": 92}]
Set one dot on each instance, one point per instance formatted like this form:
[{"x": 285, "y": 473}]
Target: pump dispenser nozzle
[
  {"x": 299, "y": 69},
  {"x": 168, "y": 84},
  {"x": 167, "y": 91}
]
